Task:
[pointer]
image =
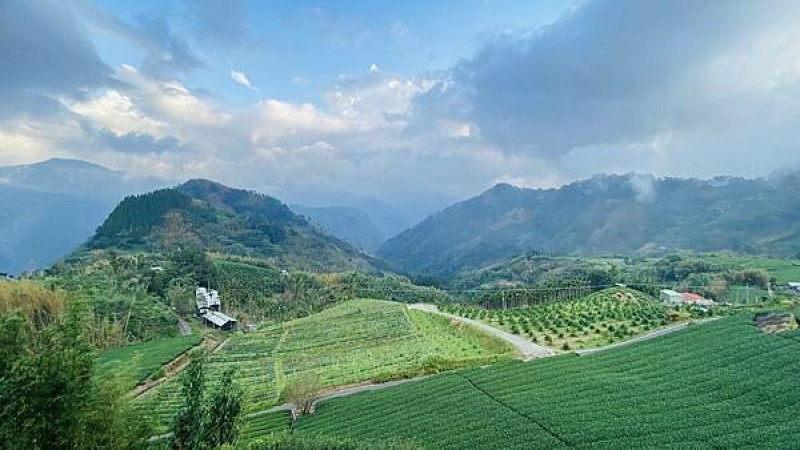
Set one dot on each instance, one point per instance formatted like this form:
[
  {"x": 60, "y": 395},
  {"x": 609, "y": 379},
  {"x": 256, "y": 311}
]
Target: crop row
[
  {"x": 353, "y": 342},
  {"x": 724, "y": 383}
]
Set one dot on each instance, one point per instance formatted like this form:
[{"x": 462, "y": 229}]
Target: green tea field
[
  {"x": 139, "y": 361},
  {"x": 356, "y": 341},
  {"x": 724, "y": 384}
]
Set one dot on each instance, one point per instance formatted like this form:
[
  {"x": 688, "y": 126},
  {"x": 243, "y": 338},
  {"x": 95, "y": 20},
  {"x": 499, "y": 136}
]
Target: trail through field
[
  {"x": 343, "y": 391},
  {"x": 183, "y": 328},
  {"x": 647, "y": 336},
  {"x": 176, "y": 366},
  {"x": 528, "y": 349}
]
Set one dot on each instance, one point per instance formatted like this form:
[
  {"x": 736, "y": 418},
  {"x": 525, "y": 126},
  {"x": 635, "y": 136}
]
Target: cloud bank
[{"x": 677, "y": 88}]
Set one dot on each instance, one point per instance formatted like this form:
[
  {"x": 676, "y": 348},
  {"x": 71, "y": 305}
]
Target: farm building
[
  {"x": 677, "y": 298},
  {"x": 794, "y": 288},
  {"x": 670, "y": 296},
  {"x": 695, "y": 299},
  {"x": 208, "y": 308}
]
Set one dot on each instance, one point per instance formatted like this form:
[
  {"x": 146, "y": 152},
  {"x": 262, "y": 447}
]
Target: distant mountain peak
[
  {"x": 208, "y": 215},
  {"x": 70, "y": 163}
]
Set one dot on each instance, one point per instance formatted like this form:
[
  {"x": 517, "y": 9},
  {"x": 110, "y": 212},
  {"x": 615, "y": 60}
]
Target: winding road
[{"x": 526, "y": 348}]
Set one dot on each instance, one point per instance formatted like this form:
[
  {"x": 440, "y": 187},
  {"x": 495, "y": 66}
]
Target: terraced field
[
  {"x": 139, "y": 361},
  {"x": 599, "y": 319},
  {"x": 724, "y": 384},
  {"x": 355, "y": 341}
]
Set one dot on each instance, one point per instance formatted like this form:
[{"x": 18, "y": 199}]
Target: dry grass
[{"x": 37, "y": 303}]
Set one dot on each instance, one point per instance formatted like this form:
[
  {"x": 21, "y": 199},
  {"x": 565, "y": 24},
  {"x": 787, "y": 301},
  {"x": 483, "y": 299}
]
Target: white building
[
  {"x": 794, "y": 288},
  {"x": 672, "y": 297},
  {"x": 208, "y": 308},
  {"x": 207, "y": 299}
]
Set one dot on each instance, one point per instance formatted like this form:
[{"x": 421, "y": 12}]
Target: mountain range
[
  {"x": 606, "y": 214},
  {"x": 49, "y": 208},
  {"x": 347, "y": 223}
]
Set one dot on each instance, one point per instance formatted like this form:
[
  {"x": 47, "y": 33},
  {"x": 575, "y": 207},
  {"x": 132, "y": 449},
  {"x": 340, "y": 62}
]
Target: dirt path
[
  {"x": 343, "y": 391},
  {"x": 175, "y": 367},
  {"x": 647, "y": 336},
  {"x": 526, "y": 348},
  {"x": 183, "y": 328}
]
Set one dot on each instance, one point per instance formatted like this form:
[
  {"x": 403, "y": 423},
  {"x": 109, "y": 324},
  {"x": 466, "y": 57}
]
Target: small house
[
  {"x": 219, "y": 320},
  {"x": 671, "y": 297},
  {"x": 794, "y": 288},
  {"x": 208, "y": 308},
  {"x": 695, "y": 299},
  {"x": 207, "y": 300}
]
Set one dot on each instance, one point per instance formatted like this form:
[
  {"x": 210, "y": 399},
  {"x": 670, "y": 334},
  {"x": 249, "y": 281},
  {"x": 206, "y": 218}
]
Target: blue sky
[
  {"x": 293, "y": 50},
  {"x": 434, "y": 99}
]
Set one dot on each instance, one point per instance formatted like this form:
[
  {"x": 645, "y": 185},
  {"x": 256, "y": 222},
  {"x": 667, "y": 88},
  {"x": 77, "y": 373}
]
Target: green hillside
[
  {"x": 206, "y": 215},
  {"x": 139, "y": 361},
  {"x": 723, "y": 384},
  {"x": 601, "y": 318},
  {"x": 355, "y": 341},
  {"x": 607, "y": 214}
]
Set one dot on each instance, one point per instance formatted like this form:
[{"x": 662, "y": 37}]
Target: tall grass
[{"x": 39, "y": 304}]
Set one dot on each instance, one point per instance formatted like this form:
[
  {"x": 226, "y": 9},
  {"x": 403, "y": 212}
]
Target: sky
[{"x": 433, "y": 98}]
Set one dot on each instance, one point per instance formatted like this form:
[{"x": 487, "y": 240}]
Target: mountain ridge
[
  {"x": 631, "y": 213},
  {"x": 213, "y": 217}
]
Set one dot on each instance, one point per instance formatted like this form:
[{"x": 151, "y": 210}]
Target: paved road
[
  {"x": 528, "y": 349},
  {"x": 651, "y": 335}
]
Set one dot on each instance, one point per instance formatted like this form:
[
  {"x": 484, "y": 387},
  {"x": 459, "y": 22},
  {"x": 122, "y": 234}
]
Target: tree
[
  {"x": 224, "y": 412},
  {"x": 204, "y": 422},
  {"x": 191, "y": 417},
  {"x": 50, "y": 396},
  {"x": 302, "y": 392}
]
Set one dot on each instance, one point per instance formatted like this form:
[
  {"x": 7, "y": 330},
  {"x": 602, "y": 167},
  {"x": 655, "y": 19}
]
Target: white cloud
[
  {"x": 117, "y": 112},
  {"x": 241, "y": 79}
]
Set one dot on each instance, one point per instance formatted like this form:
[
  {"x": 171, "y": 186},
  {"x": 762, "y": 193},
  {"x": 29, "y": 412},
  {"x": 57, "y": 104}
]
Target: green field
[
  {"x": 784, "y": 270},
  {"x": 355, "y": 341},
  {"x": 601, "y": 318},
  {"x": 139, "y": 361},
  {"x": 723, "y": 384}
]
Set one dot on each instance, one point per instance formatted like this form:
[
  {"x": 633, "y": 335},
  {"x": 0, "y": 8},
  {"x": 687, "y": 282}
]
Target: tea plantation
[
  {"x": 355, "y": 341},
  {"x": 139, "y": 361},
  {"x": 724, "y": 384}
]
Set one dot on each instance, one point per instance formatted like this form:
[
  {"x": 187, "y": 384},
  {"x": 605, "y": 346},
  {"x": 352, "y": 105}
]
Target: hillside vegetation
[
  {"x": 605, "y": 215},
  {"x": 355, "y": 341},
  {"x": 724, "y": 384},
  {"x": 598, "y": 319},
  {"x": 206, "y": 215}
]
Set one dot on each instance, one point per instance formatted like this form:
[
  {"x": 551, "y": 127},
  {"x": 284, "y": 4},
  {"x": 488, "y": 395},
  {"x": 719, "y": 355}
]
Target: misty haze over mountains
[{"x": 50, "y": 208}]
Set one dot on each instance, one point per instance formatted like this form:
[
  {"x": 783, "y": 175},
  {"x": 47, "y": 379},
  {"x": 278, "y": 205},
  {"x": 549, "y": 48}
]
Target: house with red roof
[{"x": 695, "y": 299}]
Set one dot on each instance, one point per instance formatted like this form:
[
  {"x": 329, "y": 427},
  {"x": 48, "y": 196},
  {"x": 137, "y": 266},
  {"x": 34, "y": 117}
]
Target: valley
[{"x": 331, "y": 348}]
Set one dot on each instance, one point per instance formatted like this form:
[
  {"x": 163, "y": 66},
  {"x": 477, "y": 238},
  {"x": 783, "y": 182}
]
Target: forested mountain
[
  {"x": 49, "y": 208},
  {"x": 347, "y": 223},
  {"x": 606, "y": 214},
  {"x": 207, "y": 215}
]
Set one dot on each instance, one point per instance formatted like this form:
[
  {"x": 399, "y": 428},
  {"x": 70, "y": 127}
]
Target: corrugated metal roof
[{"x": 217, "y": 318}]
